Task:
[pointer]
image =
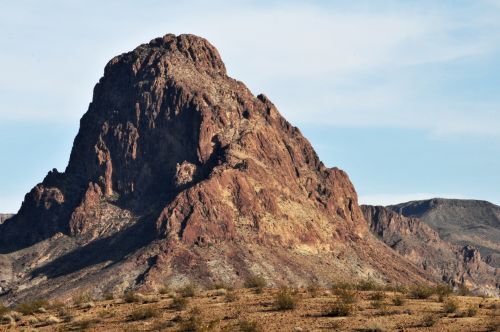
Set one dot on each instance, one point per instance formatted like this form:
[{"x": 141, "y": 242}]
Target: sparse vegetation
[
  {"x": 313, "y": 290},
  {"x": 463, "y": 290},
  {"x": 131, "y": 297},
  {"x": 3, "y": 310},
  {"x": 398, "y": 300},
  {"x": 443, "y": 291},
  {"x": 143, "y": 314},
  {"x": 256, "y": 282},
  {"x": 29, "y": 308},
  {"x": 367, "y": 285},
  {"x": 108, "y": 296},
  {"x": 179, "y": 303},
  {"x": 193, "y": 324},
  {"x": 81, "y": 298},
  {"x": 421, "y": 292},
  {"x": 377, "y": 296},
  {"x": 340, "y": 309},
  {"x": 428, "y": 321},
  {"x": 346, "y": 296},
  {"x": 471, "y": 311},
  {"x": 230, "y": 296},
  {"x": 249, "y": 326},
  {"x": 450, "y": 306},
  {"x": 285, "y": 300},
  {"x": 188, "y": 290},
  {"x": 341, "y": 285}
]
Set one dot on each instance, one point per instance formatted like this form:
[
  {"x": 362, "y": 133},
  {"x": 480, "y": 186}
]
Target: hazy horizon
[{"x": 402, "y": 96}]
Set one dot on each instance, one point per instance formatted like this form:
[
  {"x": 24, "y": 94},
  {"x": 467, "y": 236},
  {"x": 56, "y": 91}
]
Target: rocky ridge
[
  {"x": 422, "y": 245},
  {"x": 179, "y": 173},
  {"x": 460, "y": 221}
]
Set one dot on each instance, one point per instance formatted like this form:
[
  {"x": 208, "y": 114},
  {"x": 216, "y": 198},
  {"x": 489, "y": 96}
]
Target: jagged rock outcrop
[
  {"x": 178, "y": 172},
  {"x": 5, "y": 216},
  {"x": 460, "y": 221},
  {"x": 423, "y": 246}
]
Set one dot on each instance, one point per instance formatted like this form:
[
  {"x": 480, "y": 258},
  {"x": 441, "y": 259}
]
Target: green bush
[
  {"x": 143, "y": 314},
  {"x": 285, "y": 300},
  {"x": 471, "y": 311},
  {"x": 81, "y": 298},
  {"x": 421, "y": 292},
  {"x": 450, "y": 306}
]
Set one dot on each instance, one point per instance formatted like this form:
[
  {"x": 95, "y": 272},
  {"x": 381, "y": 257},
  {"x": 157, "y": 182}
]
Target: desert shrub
[
  {"x": 377, "y": 304},
  {"x": 377, "y": 296},
  {"x": 179, "y": 303},
  {"x": 398, "y": 300},
  {"x": 313, "y": 290},
  {"x": 108, "y": 296},
  {"x": 428, "y": 321},
  {"x": 471, "y": 311},
  {"x": 80, "y": 298},
  {"x": 188, "y": 291},
  {"x": 143, "y": 314},
  {"x": 84, "y": 324},
  {"x": 341, "y": 285},
  {"x": 285, "y": 300},
  {"x": 443, "y": 291},
  {"x": 29, "y": 308},
  {"x": 450, "y": 306},
  {"x": 421, "y": 292},
  {"x": 230, "y": 296},
  {"x": 374, "y": 327},
  {"x": 394, "y": 288},
  {"x": 131, "y": 297},
  {"x": 339, "y": 309},
  {"x": 3, "y": 310},
  {"x": 249, "y": 326},
  {"x": 193, "y": 324},
  {"x": 256, "y": 282},
  {"x": 367, "y": 285},
  {"x": 346, "y": 296},
  {"x": 463, "y": 290}
]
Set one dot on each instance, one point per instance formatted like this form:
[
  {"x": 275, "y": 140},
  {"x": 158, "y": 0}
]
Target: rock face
[
  {"x": 423, "y": 246},
  {"x": 178, "y": 172},
  {"x": 5, "y": 216},
  {"x": 462, "y": 222}
]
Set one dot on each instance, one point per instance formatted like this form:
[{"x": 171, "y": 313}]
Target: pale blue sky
[{"x": 403, "y": 95}]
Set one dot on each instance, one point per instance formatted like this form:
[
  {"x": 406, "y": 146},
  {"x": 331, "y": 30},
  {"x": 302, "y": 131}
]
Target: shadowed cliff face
[
  {"x": 178, "y": 171},
  {"x": 422, "y": 245}
]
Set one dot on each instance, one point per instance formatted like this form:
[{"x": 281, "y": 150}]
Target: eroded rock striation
[
  {"x": 422, "y": 245},
  {"x": 178, "y": 172}
]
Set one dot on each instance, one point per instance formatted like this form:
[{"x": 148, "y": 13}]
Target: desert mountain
[
  {"x": 422, "y": 245},
  {"x": 179, "y": 173},
  {"x": 462, "y": 222}
]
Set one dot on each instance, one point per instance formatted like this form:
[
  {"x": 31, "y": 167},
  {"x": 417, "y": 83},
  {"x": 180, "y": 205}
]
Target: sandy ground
[{"x": 247, "y": 310}]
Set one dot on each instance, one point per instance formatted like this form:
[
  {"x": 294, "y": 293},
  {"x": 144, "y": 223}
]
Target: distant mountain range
[
  {"x": 461, "y": 222},
  {"x": 426, "y": 246}
]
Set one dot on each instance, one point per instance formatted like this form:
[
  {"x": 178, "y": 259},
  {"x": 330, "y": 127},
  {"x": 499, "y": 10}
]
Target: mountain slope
[
  {"x": 462, "y": 222},
  {"x": 5, "y": 216},
  {"x": 422, "y": 245},
  {"x": 178, "y": 172}
]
